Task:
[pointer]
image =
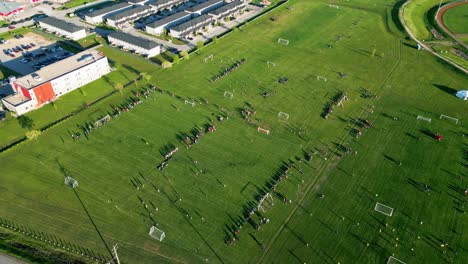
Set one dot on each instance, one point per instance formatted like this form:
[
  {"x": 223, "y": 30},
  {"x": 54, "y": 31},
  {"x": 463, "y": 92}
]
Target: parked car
[
  {"x": 32, "y": 44},
  {"x": 11, "y": 55},
  {"x": 11, "y": 27}
]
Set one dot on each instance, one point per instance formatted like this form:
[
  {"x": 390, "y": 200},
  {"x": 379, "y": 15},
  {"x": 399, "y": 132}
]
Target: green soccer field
[
  {"x": 322, "y": 209},
  {"x": 456, "y": 19}
]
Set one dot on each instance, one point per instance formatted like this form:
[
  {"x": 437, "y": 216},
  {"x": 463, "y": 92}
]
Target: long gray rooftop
[
  {"x": 203, "y": 5},
  {"x": 227, "y": 7},
  {"x": 129, "y": 12},
  {"x": 203, "y": 20},
  {"x": 168, "y": 19},
  {"x": 108, "y": 9},
  {"x": 61, "y": 24},
  {"x": 137, "y": 41}
]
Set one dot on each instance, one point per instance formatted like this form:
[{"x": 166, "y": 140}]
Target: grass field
[
  {"x": 203, "y": 194},
  {"x": 456, "y": 19},
  {"x": 416, "y": 17}
]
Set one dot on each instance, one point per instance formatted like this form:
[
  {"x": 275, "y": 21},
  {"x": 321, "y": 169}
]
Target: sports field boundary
[{"x": 422, "y": 44}]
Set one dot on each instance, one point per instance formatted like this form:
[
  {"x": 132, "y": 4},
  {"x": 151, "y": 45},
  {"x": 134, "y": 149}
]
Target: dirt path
[{"x": 5, "y": 259}]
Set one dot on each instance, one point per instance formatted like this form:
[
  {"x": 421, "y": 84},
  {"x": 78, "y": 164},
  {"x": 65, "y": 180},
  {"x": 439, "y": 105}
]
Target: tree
[
  {"x": 200, "y": 44},
  {"x": 166, "y": 64},
  {"x": 185, "y": 54},
  {"x": 33, "y": 134},
  {"x": 145, "y": 76},
  {"x": 215, "y": 39},
  {"x": 175, "y": 58},
  {"x": 119, "y": 87},
  {"x": 25, "y": 122}
]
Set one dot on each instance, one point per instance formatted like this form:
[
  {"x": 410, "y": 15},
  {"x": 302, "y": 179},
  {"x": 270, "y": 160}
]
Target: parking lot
[{"x": 28, "y": 53}]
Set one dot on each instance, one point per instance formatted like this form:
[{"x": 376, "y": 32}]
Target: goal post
[
  {"x": 271, "y": 64},
  {"x": 102, "y": 121},
  {"x": 283, "y": 116},
  {"x": 427, "y": 119},
  {"x": 383, "y": 209},
  {"x": 69, "y": 181},
  {"x": 282, "y": 41},
  {"x": 208, "y": 58},
  {"x": 157, "y": 233},
  {"x": 321, "y": 78},
  {"x": 192, "y": 104},
  {"x": 393, "y": 260},
  {"x": 265, "y": 203},
  {"x": 450, "y": 118},
  {"x": 228, "y": 95}
]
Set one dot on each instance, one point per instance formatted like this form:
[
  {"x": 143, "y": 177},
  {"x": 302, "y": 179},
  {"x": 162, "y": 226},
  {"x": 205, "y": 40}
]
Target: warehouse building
[
  {"x": 98, "y": 16},
  {"x": 47, "y": 84},
  {"x": 205, "y": 7},
  {"x": 135, "y": 44},
  {"x": 158, "y": 27},
  {"x": 128, "y": 16},
  {"x": 228, "y": 10},
  {"x": 63, "y": 28},
  {"x": 190, "y": 27}
]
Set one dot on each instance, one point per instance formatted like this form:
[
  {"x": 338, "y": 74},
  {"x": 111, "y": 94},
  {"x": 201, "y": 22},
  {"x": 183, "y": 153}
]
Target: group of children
[{"x": 234, "y": 66}]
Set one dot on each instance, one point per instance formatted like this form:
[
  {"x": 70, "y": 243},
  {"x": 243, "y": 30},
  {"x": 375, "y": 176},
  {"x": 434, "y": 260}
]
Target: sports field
[
  {"x": 456, "y": 19},
  {"x": 323, "y": 211}
]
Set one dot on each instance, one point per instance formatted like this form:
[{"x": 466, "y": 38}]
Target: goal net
[
  {"x": 383, "y": 209},
  {"x": 427, "y": 119},
  {"x": 192, "y": 104},
  {"x": 283, "y": 115},
  {"x": 228, "y": 95},
  {"x": 102, "y": 121},
  {"x": 321, "y": 78},
  {"x": 271, "y": 64},
  {"x": 284, "y": 42},
  {"x": 393, "y": 260},
  {"x": 69, "y": 181},
  {"x": 265, "y": 203},
  {"x": 157, "y": 233},
  {"x": 450, "y": 118},
  {"x": 208, "y": 58}
]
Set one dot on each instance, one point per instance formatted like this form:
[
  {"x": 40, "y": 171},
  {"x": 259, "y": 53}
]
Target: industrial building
[
  {"x": 47, "y": 84},
  {"x": 138, "y": 45},
  {"x": 63, "y": 28},
  {"x": 98, "y": 16},
  {"x": 157, "y": 27}
]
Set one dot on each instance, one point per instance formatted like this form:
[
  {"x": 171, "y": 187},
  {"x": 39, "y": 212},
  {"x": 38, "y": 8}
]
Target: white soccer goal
[
  {"x": 265, "y": 203},
  {"x": 102, "y": 121},
  {"x": 449, "y": 117},
  {"x": 393, "y": 260},
  {"x": 424, "y": 118},
  {"x": 283, "y": 115},
  {"x": 228, "y": 95},
  {"x": 383, "y": 209},
  {"x": 321, "y": 78},
  {"x": 71, "y": 182},
  {"x": 334, "y": 6},
  {"x": 157, "y": 233},
  {"x": 208, "y": 58},
  {"x": 271, "y": 64},
  {"x": 284, "y": 42},
  {"x": 192, "y": 104}
]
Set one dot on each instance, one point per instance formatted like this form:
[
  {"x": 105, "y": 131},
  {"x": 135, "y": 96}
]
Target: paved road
[{"x": 5, "y": 259}]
